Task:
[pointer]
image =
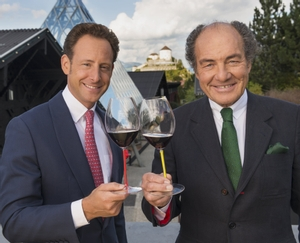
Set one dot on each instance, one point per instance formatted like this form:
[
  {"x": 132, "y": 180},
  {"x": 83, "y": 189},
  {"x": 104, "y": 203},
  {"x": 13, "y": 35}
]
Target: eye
[
  {"x": 208, "y": 65},
  {"x": 86, "y": 64},
  {"x": 233, "y": 61},
  {"x": 105, "y": 67}
]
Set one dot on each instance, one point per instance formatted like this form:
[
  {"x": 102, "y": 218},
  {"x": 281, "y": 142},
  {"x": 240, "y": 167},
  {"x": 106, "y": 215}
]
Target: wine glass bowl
[
  {"x": 158, "y": 126},
  {"x": 122, "y": 125}
]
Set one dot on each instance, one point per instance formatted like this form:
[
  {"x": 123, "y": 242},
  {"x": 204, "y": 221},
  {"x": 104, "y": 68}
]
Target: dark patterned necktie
[
  {"x": 91, "y": 149},
  {"x": 230, "y": 147}
]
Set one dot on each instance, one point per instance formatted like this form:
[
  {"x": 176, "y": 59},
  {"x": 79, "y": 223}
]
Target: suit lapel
[
  {"x": 204, "y": 132},
  {"x": 258, "y": 135},
  {"x": 70, "y": 144}
]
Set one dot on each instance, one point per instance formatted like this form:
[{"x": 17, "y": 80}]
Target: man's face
[
  {"x": 90, "y": 69},
  {"x": 222, "y": 69}
]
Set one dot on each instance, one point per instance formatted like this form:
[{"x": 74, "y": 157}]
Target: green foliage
[
  {"x": 181, "y": 73},
  {"x": 277, "y": 67},
  {"x": 255, "y": 88}
]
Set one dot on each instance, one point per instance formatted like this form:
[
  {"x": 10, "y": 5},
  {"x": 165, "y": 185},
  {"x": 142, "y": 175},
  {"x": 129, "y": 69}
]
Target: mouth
[
  {"x": 225, "y": 86},
  {"x": 91, "y": 87}
]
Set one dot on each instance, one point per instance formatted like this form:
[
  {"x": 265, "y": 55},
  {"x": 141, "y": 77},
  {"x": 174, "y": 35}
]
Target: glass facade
[{"x": 66, "y": 14}]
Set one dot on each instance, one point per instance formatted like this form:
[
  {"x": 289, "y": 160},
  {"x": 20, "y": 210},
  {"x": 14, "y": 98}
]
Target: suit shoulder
[{"x": 189, "y": 107}]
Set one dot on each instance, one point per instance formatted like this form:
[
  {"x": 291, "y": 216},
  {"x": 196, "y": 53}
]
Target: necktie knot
[
  {"x": 227, "y": 114},
  {"x": 89, "y": 116}
]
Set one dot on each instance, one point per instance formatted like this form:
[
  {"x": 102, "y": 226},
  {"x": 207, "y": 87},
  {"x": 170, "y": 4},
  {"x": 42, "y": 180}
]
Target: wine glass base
[
  {"x": 177, "y": 188},
  {"x": 133, "y": 189}
]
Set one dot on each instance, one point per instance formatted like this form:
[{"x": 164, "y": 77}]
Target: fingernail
[{"x": 169, "y": 187}]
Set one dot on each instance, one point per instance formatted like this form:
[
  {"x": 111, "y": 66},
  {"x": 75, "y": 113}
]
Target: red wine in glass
[
  {"x": 158, "y": 126},
  {"x": 122, "y": 125},
  {"x": 158, "y": 140}
]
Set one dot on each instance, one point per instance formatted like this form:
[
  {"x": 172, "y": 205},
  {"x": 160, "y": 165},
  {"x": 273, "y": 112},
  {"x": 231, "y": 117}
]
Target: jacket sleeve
[{"x": 174, "y": 208}]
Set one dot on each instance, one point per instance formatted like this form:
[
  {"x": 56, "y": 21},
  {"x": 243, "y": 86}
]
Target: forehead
[
  {"x": 218, "y": 38},
  {"x": 92, "y": 47}
]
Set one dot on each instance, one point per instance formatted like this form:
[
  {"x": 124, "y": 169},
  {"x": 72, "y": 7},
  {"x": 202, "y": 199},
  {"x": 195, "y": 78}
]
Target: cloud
[
  {"x": 39, "y": 13},
  {"x": 156, "y": 23},
  {"x": 7, "y": 8}
]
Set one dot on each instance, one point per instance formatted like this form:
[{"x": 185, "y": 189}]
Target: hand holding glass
[
  {"x": 122, "y": 125},
  {"x": 158, "y": 126}
]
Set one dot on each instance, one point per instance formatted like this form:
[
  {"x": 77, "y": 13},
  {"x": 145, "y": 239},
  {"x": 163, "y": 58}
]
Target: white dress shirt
[
  {"x": 239, "y": 109},
  {"x": 78, "y": 111}
]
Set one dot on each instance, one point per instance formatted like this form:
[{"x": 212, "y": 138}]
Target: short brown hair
[{"x": 95, "y": 30}]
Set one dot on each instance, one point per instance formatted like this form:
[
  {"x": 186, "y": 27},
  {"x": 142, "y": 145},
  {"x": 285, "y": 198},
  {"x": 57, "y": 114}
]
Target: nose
[
  {"x": 222, "y": 73},
  {"x": 95, "y": 74}
]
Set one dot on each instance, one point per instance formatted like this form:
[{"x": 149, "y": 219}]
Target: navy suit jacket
[
  {"x": 43, "y": 169},
  {"x": 259, "y": 211}
]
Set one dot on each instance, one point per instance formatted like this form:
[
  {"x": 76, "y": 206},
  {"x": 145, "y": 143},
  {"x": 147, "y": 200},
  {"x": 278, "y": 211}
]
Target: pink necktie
[{"x": 91, "y": 149}]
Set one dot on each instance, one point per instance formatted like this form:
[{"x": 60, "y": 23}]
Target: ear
[
  {"x": 249, "y": 67},
  {"x": 196, "y": 74},
  {"x": 65, "y": 64}
]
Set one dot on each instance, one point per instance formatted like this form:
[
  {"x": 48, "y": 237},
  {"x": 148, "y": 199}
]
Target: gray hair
[{"x": 251, "y": 47}]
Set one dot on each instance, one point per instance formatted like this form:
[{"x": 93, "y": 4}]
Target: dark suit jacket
[
  {"x": 259, "y": 211},
  {"x": 43, "y": 169}
]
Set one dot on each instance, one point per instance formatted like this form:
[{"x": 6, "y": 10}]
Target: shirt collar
[
  {"x": 76, "y": 109},
  {"x": 238, "y": 107}
]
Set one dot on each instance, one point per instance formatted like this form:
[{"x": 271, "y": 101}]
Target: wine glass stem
[
  {"x": 125, "y": 168},
  {"x": 162, "y": 157}
]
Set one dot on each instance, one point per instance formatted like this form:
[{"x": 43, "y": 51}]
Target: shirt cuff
[
  {"x": 79, "y": 218},
  {"x": 160, "y": 213}
]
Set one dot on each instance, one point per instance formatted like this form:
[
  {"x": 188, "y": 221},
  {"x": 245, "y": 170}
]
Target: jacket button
[
  {"x": 224, "y": 192},
  {"x": 232, "y": 225}
]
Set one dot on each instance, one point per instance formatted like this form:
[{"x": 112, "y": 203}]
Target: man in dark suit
[
  {"x": 47, "y": 191},
  {"x": 212, "y": 207}
]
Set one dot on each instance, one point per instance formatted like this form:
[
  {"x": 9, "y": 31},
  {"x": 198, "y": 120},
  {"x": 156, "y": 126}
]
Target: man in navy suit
[
  {"x": 47, "y": 191},
  {"x": 211, "y": 209}
]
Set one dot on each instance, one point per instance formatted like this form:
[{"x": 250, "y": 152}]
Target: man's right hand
[
  {"x": 104, "y": 201},
  {"x": 157, "y": 189}
]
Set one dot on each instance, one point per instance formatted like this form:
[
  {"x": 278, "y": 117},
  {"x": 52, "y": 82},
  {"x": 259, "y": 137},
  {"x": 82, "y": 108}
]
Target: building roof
[
  {"x": 150, "y": 83},
  {"x": 12, "y": 38},
  {"x": 15, "y": 42},
  {"x": 30, "y": 72},
  {"x": 165, "y": 48}
]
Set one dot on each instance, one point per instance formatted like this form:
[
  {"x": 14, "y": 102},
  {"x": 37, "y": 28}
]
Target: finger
[
  {"x": 158, "y": 178},
  {"x": 112, "y": 186},
  {"x": 157, "y": 187}
]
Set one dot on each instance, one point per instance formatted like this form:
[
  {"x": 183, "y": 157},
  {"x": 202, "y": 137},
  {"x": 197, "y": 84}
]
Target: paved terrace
[{"x": 139, "y": 229}]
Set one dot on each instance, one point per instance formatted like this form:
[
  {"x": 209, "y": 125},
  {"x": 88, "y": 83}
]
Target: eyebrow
[{"x": 206, "y": 60}]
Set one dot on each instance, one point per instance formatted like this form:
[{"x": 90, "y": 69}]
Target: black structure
[
  {"x": 150, "y": 83},
  {"x": 30, "y": 72}
]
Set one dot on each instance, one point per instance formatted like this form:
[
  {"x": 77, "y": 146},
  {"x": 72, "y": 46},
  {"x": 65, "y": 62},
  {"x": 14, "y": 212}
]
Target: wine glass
[
  {"x": 122, "y": 125},
  {"x": 157, "y": 126}
]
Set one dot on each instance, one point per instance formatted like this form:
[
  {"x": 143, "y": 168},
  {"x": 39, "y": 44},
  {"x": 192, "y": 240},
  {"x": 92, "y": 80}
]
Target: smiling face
[
  {"x": 222, "y": 69},
  {"x": 90, "y": 69}
]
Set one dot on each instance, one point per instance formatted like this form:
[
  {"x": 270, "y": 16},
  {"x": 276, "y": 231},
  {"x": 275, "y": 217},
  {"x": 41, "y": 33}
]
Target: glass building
[{"x": 63, "y": 17}]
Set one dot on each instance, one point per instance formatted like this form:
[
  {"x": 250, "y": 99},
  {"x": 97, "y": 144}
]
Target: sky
[{"x": 143, "y": 27}]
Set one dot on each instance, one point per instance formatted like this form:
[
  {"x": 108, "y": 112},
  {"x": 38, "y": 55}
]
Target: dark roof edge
[{"x": 23, "y": 42}]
